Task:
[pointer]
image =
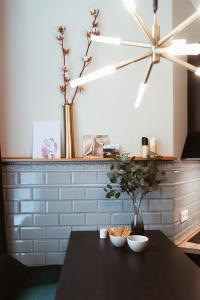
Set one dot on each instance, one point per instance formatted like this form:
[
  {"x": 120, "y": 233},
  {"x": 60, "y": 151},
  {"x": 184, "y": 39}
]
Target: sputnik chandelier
[{"x": 158, "y": 48}]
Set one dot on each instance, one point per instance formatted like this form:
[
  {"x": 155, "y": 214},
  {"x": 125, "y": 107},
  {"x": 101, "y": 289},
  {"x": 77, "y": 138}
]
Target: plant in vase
[
  {"x": 136, "y": 179},
  {"x": 69, "y": 96}
]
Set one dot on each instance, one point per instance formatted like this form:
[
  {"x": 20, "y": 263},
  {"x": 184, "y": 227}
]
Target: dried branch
[
  {"x": 86, "y": 59},
  {"x": 95, "y": 30},
  {"x": 65, "y": 51}
]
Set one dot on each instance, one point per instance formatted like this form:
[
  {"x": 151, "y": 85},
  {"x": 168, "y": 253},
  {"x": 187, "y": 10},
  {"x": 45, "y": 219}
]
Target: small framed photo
[
  {"x": 46, "y": 139},
  {"x": 93, "y": 144}
]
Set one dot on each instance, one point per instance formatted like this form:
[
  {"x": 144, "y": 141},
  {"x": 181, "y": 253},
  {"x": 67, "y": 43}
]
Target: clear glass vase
[{"x": 137, "y": 226}]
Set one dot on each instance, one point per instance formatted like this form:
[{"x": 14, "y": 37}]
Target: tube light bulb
[
  {"x": 185, "y": 49},
  {"x": 179, "y": 42},
  {"x": 130, "y": 5},
  {"x": 106, "y": 39},
  {"x": 140, "y": 95},
  {"x": 93, "y": 76},
  {"x": 198, "y": 72},
  {"x": 180, "y": 48}
]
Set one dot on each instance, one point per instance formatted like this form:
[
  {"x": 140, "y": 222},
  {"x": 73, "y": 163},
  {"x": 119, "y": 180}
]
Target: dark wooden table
[{"x": 95, "y": 270}]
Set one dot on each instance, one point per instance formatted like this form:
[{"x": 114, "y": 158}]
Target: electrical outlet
[{"x": 184, "y": 215}]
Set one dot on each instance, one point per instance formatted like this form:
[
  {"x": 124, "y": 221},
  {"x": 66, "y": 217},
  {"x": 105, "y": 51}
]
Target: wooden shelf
[
  {"x": 189, "y": 247},
  {"x": 77, "y": 159}
]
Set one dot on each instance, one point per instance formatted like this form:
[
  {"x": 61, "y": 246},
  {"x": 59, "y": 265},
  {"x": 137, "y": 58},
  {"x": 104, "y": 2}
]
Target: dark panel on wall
[
  {"x": 194, "y": 97},
  {"x": 192, "y": 144}
]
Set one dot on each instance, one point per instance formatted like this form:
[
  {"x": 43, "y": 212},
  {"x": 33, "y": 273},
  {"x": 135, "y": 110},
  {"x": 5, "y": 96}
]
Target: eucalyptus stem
[{"x": 137, "y": 179}]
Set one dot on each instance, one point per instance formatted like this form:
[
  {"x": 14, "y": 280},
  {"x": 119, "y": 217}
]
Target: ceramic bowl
[
  {"x": 117, "y": 241},
  {"x": 137, "y": 243}
]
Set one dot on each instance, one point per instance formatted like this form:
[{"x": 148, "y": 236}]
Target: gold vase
[{"x": 69, "y": 132}]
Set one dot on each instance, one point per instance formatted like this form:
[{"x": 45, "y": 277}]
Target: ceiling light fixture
[
  {"x": 158, "y": 48},
  {"x": 93, "y": 76}
]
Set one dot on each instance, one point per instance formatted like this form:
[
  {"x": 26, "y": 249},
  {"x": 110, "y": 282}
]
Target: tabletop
[{"x": 96, "y": 270}]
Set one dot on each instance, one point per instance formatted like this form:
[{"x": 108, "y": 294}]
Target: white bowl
[
  {"x": 137, "y": 243},
  {"x": 117, "y": 241}
]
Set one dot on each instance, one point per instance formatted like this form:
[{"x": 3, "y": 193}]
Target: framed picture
[
  {"x": 46, "y": 139},
  {"x": 93, "y": 144}
]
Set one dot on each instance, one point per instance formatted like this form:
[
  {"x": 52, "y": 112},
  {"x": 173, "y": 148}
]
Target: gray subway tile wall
[
  {"x": 98, "y": 218},
  {"x": 58, "y": 232},
  {"x": 44, "y": 202},
  {"x": 32, "y": 178},
  {"x": 58, "y": 178},
  {"x": 19, "y": 220},
  {"x": 121, "y": 218},
  {"x": 71, "y": 193},
  {"x": 58, "y": 206},
  {"x": 161, "y": 205},
  {"x": 20, "y": 246},
  {"x": 85, "y": 206},
  {"x": 84, "y": 177},
  {"x": 167, "y": 217},
  {"x": 13, "y": 233},
  {"x": 10, "y": 178},
  {"x": 12, "y": 207},
  {"x": 46, "y": 246},
  {"x": 18, "y": 193},
  {"x": 72, "y": 219},
  {"x": 63, "y": 245},
  {"x": 33, "y": 232},
  {"x": 128, "y": 205},
  {"x": 110, "y": 205},
  {"x": 45, "y": 220},
  {"x": 45, "y": 193},
  {"x": 32, "y": 206}
]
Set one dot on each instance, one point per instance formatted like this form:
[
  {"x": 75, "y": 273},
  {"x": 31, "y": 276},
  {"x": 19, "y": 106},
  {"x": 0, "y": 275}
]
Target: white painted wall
[{"x": 30, "y": 74}]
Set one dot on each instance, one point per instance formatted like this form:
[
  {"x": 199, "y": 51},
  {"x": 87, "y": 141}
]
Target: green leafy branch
[{"x": 136, "y": 178}]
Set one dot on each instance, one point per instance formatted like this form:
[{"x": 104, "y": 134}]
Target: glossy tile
[
  {"x": 32, "y": 206},
  {"x": 42, "y": 220},
  {"x": 32, "y": 233},
  {"x": 19, "y": 220}
]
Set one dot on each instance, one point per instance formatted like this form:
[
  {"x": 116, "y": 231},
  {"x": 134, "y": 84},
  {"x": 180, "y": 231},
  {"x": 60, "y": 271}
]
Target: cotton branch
[{"x": 64, "y": 88}]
